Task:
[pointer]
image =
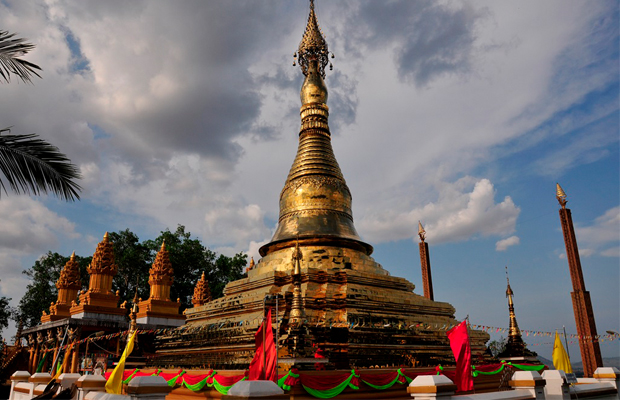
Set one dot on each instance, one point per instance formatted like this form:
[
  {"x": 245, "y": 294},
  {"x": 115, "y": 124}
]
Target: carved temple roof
[
  {"x": 70, "y": 275},
  {"x": 103, "y": 262},
  {"x": 161, "y": 272},
  {"x": 202, "y": 293}
]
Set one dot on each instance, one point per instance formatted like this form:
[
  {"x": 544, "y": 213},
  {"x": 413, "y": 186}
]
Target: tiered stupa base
[
  {"x": 159, "y": 312},
  {"x": 356, "y": 315},
  {"x": 57, "y": 312},
  {"x": 102, "y": 306}
]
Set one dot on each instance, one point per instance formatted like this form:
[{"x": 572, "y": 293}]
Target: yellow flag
[
  {"x": 61, "y": 368},
  {"x": 560, "y": 358},
  {"x": 115, "y": 381}
]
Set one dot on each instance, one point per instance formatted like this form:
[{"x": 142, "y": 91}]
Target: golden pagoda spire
[
  {"x": 315, "y": 203},
  {"x": 514, "y": 327},
  {"x": 560, "y": 195}
]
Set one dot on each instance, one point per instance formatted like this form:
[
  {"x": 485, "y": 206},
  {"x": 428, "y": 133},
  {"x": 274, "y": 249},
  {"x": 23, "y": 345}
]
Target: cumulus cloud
[
  {"x": 28, "y": 227},
  {"x": 464, "y": 209},
  {"x": 504, "y": 244},
  {"x": 602, "y": 236}
]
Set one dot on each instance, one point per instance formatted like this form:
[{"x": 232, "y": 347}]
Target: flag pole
[
  {"x": 566, "y": 341},
  {"x": 264, "y": 372}
]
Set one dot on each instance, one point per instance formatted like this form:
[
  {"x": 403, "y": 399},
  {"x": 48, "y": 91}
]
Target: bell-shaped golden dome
[{"x": 315, "y": 203}]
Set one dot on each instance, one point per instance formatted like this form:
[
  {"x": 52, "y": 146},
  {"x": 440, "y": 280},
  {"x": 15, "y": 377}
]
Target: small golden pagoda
[
  {"x": 332, "y": 295},
  {"x": 202, "y": 293},
  {"x": 515, "y": 346},
  {"x": 68, "y": 285},
  {"x": 158, "y": 308},
  {"x": 99, "y": 302}
]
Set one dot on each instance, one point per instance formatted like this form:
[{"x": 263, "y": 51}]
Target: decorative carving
[
  {"x": 316, "y": 182},
  {"x": 161, "y": 272},
  {"x": 312, "y": 46},
  {"x": 202, "y": 293},
  {"x": 70, "y": 275},
  {"x": 103, "y": 262}
]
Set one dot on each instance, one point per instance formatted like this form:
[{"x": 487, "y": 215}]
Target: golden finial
[
  {"x": 105, "y": 237},
  {"x": 560, "y": 195},
  {"x": 508, "y": 288},
  {"x": 72, "y": 256},
  {"x": 252, "y": 264},
  {"x": 163, "y": 244},
  {"x": 312, "y": 46},
  {"x": 421, "y": 231}
]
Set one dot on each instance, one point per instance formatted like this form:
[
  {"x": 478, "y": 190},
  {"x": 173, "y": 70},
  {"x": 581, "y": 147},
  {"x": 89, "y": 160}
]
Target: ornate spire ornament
[
  {"x": 202, "y": 293},
  {"x": 312, "y": 47},
  {"x": 70, "y": 276},
  {"x": 560, "y": 195},
  {"x": 103, "y": 262},
  {"x": 315, "y": 202},
  {"x": 68, "y": 285},
  {"x": 297, "y": 309},
  {"x": 421, "y": 231},
  {"x": 161, "y": 275}
]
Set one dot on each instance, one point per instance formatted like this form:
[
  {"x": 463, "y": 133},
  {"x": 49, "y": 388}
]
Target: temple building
[{"x": 333, "y": 297}]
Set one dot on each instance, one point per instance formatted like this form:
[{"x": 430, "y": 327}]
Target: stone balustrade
[{"x": 526, "y": 385}]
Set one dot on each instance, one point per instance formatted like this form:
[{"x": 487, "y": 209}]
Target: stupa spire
[
  {"x": 202, "y": 294},
  {"x": 312, "y": 46},
  {"x": 514, "y": 327},
  {"x": 315, "y": 203}
]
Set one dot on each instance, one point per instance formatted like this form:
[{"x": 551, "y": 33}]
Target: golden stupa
[{"x": 333, "y": 296}]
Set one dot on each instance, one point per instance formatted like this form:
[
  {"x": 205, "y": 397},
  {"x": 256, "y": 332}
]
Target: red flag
[
  {"x": 459, "y": 342},
  {"x": 263, "y": 365}
]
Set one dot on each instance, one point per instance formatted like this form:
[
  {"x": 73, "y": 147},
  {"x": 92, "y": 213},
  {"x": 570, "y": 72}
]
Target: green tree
[
  {"x": 190, "y": 258},
  {"x": 497, "y": 346},
  {"x": 133, "y": 260},
  {"x": 41, "y": 291},
  {"x": 5, "y": 312}
]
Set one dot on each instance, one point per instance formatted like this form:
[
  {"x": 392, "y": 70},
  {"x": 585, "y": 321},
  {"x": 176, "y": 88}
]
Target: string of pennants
[
  {"x": 527, "y": 333},
  {"x": 189, "y": 329}
]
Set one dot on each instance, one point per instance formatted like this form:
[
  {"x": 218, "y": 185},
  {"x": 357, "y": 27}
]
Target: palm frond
[
  {"x": 32, "y": 165},
  {"x": 10, "y": 49}
]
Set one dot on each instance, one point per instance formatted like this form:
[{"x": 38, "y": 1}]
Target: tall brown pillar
[
  {"x": 425, "y": 261},
  {"x": 582, "y": 306},
  {"x": 75, "y": 359}
]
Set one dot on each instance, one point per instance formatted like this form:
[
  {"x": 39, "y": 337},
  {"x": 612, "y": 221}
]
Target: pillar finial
[
  {"x": 560, "y": 195},
  {"x": 421, "y": 231}
]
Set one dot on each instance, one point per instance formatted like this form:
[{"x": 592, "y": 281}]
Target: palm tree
[
  {"x": 10, "y": 64},
  {"x": 30, "y": 164}
]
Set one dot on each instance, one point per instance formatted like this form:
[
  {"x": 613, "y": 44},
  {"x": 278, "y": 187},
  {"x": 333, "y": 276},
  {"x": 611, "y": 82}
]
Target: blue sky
[{"x": 463, "y": 115}]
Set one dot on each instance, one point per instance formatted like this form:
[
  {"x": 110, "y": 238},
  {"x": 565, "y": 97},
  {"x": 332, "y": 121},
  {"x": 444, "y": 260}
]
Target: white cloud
[
  {"x": 600, "y": 235},
  {"x": 611, "y": 252},
  {"x": 29, "y": 226},
  {"x": 460, "y": 212},
  {"x": 504, "y": 244}
]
